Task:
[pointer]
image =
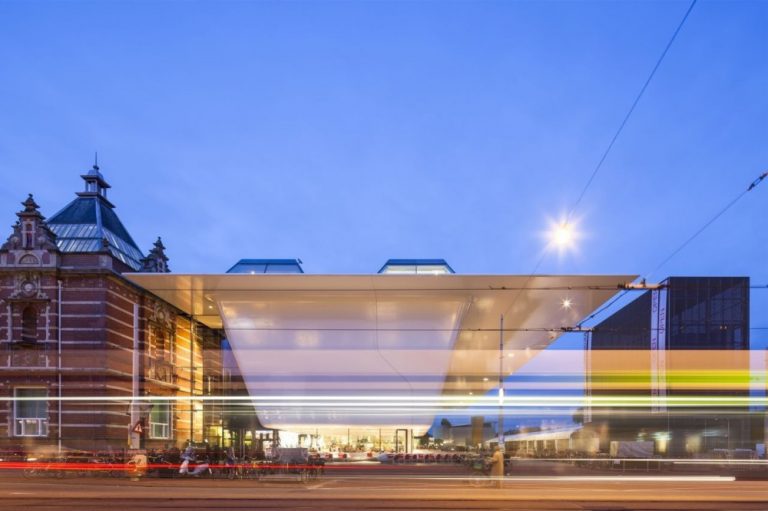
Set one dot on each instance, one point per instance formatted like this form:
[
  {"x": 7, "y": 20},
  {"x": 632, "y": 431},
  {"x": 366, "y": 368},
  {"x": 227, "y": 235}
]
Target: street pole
[
  {"x": 134, "y": 438},
  {"x": 501, "y": 383}
]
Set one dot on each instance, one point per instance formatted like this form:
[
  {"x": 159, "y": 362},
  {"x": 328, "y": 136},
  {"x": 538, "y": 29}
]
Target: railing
[{"x": 31, "y": 427}]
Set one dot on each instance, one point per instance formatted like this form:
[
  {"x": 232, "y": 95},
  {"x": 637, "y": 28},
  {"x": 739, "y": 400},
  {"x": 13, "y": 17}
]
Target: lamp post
[{"x": 501, "y": 383}]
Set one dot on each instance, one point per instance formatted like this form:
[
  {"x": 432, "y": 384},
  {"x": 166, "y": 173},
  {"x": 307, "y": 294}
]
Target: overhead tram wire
[
  {"x": 629, "y": 112},
  {"x": 583, "y": 287},
  {"x": 398, "y": 289},
  {"x": 550, "y": 329},
  {"x": 615, "y": 135},
  {"x": 579, "y": 325},
  {"x": 710, "y": 222},
  {"x": 696, "y": 234}
]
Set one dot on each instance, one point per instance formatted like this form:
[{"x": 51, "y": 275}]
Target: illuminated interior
[{"x": 319, "y": 353}]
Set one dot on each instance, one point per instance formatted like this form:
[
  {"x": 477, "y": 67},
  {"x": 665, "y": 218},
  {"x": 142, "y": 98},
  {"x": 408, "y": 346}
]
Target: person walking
[
  {"x": 497, "y": 466},
  {"x": 138, "y": 466}
]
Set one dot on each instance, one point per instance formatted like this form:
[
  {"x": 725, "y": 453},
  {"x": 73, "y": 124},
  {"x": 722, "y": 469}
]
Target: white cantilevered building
[{"x": 335, "y": 354}]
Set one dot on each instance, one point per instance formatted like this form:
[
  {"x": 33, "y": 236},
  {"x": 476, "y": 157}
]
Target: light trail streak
[
  {"x": 650, "y": 479},
  {"x": 719, "y": 461},
  {"x": 52, "y": 467},
  {"x": 434, "y": 401}
]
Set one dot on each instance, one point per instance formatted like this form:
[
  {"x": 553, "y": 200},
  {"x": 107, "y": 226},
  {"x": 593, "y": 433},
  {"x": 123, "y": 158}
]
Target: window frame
[
  {"x": 168, "y": 426},
  {"x": 43, "y": 423}
]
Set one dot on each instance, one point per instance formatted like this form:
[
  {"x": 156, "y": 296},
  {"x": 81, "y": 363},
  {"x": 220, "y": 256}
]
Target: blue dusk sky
[{"x": 346, "y": 133}]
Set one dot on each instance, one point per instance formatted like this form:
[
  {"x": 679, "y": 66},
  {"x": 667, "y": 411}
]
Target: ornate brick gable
[
  {"x": 31, "y": 244},
  {"x": 156, "y": 261}
]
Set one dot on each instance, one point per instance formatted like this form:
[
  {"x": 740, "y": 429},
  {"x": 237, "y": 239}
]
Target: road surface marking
[{"x": 319, "y": 485}]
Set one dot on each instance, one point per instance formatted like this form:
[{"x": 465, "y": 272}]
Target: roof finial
[{"x": 96, "y": 160}]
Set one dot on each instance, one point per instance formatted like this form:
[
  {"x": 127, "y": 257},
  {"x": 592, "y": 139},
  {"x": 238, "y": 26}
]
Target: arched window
[{"x": 29, "y": 324}]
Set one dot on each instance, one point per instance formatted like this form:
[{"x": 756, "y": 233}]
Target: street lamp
[
  {"x": 501, "y": 383},
  {"x": 562, "y": 235}
]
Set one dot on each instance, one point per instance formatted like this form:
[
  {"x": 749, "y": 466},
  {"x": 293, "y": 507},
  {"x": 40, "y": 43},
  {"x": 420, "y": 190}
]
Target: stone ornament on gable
[
  {"x": 29, "y": 260},
  {"x": 162, "y": 316},
  {"x": 27, "y": 287},
  {"x": 14, "y": 240}
]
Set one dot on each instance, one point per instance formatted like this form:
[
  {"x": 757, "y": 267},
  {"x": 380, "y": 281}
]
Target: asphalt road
[{"x": 362, "y": 490}]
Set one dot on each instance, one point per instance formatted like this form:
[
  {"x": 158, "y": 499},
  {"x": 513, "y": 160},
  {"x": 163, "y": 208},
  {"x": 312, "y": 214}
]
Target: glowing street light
[{"x": 563, "y": 235}]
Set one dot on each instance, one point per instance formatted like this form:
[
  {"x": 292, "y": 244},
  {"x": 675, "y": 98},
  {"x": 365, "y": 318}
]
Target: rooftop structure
[
  {"x": 89, "y": 224},
  {"x": 416, "y": 267},
  {"x": 254, "y": 266}
]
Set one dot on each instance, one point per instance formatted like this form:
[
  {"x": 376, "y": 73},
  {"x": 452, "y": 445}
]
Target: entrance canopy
[{"x": 333, "y": 352}]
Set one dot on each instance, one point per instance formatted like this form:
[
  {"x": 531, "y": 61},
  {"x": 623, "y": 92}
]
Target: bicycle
[
  {"x": 480, "y": 473},
  {"x": 43, "y": 467}
]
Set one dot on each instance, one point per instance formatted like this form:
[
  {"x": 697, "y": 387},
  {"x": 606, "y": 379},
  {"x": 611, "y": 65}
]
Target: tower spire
[{"x": 95, "y": 185}]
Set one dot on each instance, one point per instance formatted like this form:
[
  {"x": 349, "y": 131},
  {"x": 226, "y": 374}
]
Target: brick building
[{"x": 86, "y": 355}]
